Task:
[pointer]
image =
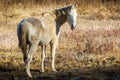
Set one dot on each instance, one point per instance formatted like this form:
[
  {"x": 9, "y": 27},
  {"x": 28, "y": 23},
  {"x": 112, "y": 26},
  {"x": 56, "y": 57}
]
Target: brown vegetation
[{"x": 90, "y": 52}]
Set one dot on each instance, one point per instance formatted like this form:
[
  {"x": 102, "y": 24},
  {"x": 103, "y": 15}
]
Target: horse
[{"x": 33, "y": 32}]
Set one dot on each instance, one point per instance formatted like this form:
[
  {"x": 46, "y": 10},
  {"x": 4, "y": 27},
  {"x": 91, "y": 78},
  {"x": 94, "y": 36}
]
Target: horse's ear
[
  {"x": 72, "y": 7},
  {"x": 75, "y": 6}
]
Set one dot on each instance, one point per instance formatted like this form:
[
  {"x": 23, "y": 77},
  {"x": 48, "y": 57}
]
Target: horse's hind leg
[
  {"x": 32, "y": 50},
  {"x": 24, "y": 53}
]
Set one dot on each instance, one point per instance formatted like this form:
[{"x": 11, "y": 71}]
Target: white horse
[{"x": 32, "y": 32}]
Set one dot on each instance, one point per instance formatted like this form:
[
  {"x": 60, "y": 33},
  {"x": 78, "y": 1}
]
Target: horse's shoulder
[{"x": 32, "y": 19}]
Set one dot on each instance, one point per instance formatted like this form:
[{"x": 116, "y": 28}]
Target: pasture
[{"x": 90, "y": 52}]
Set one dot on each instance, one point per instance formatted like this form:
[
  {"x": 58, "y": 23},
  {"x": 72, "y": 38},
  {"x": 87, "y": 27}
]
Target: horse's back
[
  {"x": 34, "y": 22},
  {"x": 43, "y": 29}
]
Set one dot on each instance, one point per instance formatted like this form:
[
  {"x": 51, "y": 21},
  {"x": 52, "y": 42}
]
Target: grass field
[{"x": 90, "y": 52}]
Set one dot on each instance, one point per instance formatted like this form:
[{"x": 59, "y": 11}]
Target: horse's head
[{"x": 72, "y": 16}]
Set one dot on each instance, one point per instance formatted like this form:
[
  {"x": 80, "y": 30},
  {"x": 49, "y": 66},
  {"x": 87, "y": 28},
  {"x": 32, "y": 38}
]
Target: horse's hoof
[
  {"x": 30, "y": 76},
  {"x": 54, "y": 70},
  {"x": 42, "y": 71}
]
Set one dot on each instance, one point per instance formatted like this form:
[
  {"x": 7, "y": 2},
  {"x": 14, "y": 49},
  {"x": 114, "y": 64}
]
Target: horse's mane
[
  {"x": 57, "y": 12},
  {"x": 63, "y": 8},
  {"x": 62, "y": 11}
]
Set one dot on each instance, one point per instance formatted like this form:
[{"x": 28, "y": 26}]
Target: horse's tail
[{"x": 22, "y": 37}]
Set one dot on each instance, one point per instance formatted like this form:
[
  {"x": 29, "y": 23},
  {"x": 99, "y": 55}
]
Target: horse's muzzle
[{"x": 72, "y": 27}]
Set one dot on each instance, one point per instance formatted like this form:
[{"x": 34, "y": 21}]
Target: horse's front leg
[
  {"x": 43, "y": 48},
  {"x": 32, "y": 50},
  {"x": 53, "y": 47}
]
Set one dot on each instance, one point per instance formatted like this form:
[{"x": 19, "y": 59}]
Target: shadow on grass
[{"x": 88, "y": 73}]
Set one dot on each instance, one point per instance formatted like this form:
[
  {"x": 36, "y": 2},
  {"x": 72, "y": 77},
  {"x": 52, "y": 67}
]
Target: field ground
[
  {"x": 12, "y": 68},
  {"x": 90, "y": 52}
]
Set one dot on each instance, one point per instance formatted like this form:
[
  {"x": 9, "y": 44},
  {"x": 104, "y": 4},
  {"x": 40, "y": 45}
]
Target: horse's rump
[{"x": 22, "y": 36}]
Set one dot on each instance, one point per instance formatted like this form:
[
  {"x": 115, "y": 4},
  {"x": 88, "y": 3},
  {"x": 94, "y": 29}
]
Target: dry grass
[{"x": 90, "y": 52}]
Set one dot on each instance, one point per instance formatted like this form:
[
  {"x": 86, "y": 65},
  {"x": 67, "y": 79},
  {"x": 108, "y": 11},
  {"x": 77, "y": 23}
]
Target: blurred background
[{"x": 90, "y": 52}]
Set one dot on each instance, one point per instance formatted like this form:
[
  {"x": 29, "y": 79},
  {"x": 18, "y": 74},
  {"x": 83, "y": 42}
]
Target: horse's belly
[{"x": 44, "y": 41}]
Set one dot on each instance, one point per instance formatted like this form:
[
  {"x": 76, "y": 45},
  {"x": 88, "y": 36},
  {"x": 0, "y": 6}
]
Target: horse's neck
[{"x": 61, "y": 17}]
